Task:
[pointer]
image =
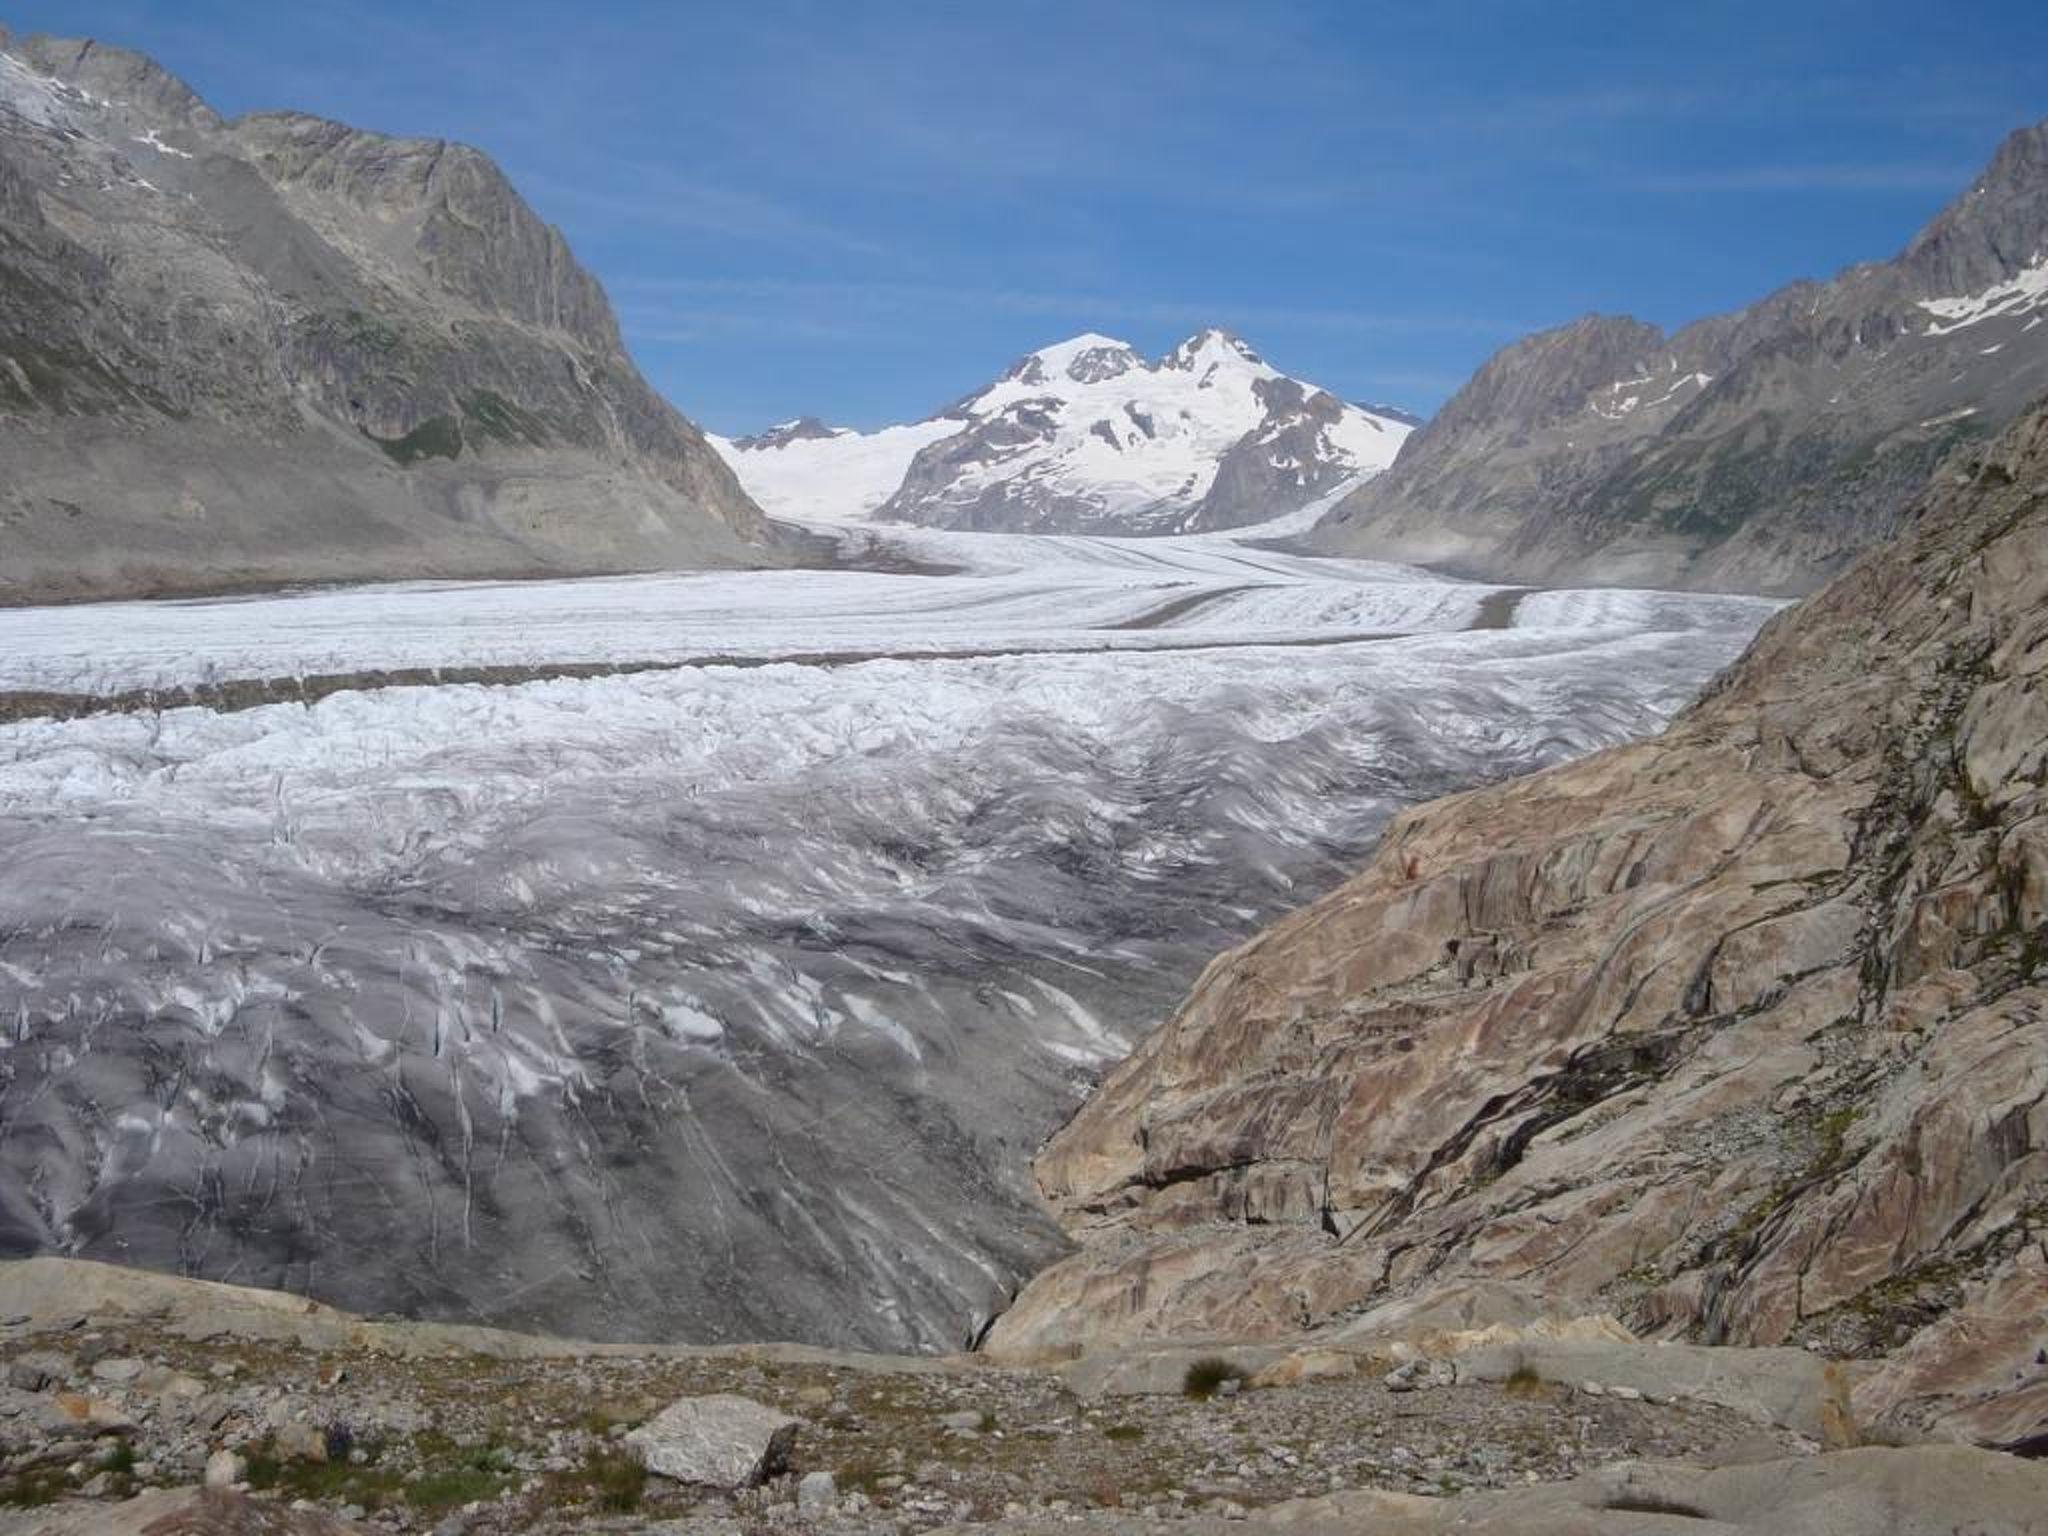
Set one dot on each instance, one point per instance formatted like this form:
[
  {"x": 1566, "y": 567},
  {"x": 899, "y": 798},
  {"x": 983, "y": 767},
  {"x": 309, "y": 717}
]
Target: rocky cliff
[
  {"x": 281, "y": 349},
  {"x": 1740, "y": 1033},
  {"x": 1759, "y": 450}
]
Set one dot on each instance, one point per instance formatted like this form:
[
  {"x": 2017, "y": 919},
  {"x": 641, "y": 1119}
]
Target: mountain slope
[
  {"x": 1760, "y": 450},
  {"x": 1741, "y": 1032},
  {"x": 1087, "y": 436},
  {"x": 279, "y": 349}
]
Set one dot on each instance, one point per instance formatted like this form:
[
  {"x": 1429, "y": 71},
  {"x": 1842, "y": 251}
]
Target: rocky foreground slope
[
  {"x": 280, "y": 349},
  {"x": 1756, "y": 451},
  {"x": 121, "y": 1394},
  {"x": 1740, "y": 1034}
]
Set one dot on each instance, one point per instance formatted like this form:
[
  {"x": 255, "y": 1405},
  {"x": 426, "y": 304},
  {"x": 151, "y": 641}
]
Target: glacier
[{"x": 721, "y": 987}]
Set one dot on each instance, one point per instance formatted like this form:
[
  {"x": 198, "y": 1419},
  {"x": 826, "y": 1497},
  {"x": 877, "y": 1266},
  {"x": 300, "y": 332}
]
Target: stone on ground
[{"x": 720, "y": 1441}]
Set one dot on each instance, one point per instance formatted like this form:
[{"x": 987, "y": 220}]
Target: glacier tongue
[{"x": 716, "y": 1001}]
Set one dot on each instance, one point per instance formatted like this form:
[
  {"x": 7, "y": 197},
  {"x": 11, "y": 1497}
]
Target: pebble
[{"x": 816, "y": 1493}]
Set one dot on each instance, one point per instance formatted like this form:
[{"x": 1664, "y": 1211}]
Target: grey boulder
[{"x": 720, "y": 1441}]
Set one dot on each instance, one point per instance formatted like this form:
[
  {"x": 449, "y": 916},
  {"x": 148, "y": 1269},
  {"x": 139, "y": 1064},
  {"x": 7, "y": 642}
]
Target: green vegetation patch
[
  {"x": 438, "y": 437},
  {"x": 611, "y": 1479},
  {"x": 492, "y": 417},
  {"x": 1205, "y": 1377}
]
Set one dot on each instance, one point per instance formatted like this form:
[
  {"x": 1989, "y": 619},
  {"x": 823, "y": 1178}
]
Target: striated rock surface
[
  {"x": 1740, "y": 1033},
  {"x": 278, "y": 348},
  {"x": 1757, "y": 451}
]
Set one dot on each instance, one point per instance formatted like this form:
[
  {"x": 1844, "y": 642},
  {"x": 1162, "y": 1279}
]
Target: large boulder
[{"x": 721, "y": 1441}]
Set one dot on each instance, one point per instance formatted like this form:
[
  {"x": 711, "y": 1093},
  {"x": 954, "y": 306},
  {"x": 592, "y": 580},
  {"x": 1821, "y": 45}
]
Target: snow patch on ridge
[{"x": 2026, "y": 290}]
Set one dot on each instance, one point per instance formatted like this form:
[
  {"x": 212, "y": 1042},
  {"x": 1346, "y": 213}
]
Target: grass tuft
[{"x": 1205, "y": 1377}]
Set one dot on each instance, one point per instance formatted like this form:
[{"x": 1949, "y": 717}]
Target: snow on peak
[
  {"x": 2023, "y": 292},
  {"x": 1090, "y": 431},
  {"x": 1208, "y": 346},
  {"x": 1084, "y": 359},
  {"x": 30, "y": 94}
]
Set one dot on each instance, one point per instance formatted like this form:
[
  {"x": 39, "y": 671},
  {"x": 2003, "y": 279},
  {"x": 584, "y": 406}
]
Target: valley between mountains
[
  {"x": 1156, "y": 945},
  {"x": 772, "y": 918}
]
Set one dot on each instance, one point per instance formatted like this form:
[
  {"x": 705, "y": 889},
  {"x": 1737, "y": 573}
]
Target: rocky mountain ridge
[
  {"x": 1739, "y": 1034},
  {"x": 278, "y": 348},
  {"x": 1087, "y": 436},
  {"x": 1757, "y": 451}
]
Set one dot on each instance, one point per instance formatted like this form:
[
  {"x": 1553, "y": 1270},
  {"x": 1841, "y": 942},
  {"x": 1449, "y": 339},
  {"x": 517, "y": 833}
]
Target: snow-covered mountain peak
[
  {"x": 1085, "y": 359},
  {"x": 1213, "y": 347},
  {"x": 1086, "y": 434}
]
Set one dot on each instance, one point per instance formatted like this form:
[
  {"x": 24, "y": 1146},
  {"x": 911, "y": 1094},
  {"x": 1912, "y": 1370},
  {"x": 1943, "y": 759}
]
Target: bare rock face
[
  {"x": 1740, "y": 1033},
  {"x": 1760, "y": 450},
  {"x": 281, "y": 348}
]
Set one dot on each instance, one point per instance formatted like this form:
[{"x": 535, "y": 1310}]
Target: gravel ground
[{"x": 483, "y": 1445}]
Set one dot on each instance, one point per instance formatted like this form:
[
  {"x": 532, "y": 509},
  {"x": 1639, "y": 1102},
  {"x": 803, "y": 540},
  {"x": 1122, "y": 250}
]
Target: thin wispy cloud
[
  {"x": 856, "y": 211},
  {"x": 661, "y": 200},
  {"x": 656, "y": 300},
  {"x": 1815, "y": 178}
]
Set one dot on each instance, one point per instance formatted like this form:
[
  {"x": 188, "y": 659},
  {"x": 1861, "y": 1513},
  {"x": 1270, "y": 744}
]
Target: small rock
[
  {"x": 224, "y": 1469},
  {"x": 98, "y": 1486},
  {"x": 965, "y": 1421},
  {"x": 1592, "y": 1389},
  {"x": 1626, "y": 1394},
  {"x": 124, "y": 1369},
  {"x": 1229, "y": 1386},
  {"x": 298, "y": 1441},
  {"x": 72, "y": 1415},
  {"x": 816, "y": 1493},
  {"x": 39, "y": 1369}
]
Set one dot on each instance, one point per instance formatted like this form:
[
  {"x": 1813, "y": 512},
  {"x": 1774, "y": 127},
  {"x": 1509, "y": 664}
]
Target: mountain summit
[
  {"x": 280, "y": 349},
  {"x": 1756, "y": 451},
  {"x": 1087, "y": 435}
]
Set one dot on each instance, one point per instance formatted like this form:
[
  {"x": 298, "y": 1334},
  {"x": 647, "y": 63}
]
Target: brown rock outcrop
[{"x": 1740, "y": 1033}]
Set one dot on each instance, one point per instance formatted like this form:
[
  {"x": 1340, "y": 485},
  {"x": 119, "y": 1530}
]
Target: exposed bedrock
[{"x": 1740, "y": 1033}]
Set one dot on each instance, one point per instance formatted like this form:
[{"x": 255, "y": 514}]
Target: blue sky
[{"x": 864, "y": 209}]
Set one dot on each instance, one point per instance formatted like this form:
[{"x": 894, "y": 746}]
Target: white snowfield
[
  {"x": 1139, "y": 442},
  {"x": 2022, "y": 294},
  {"x": 846, "y": 475},
  {"x": 691, "y": 1001}
]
